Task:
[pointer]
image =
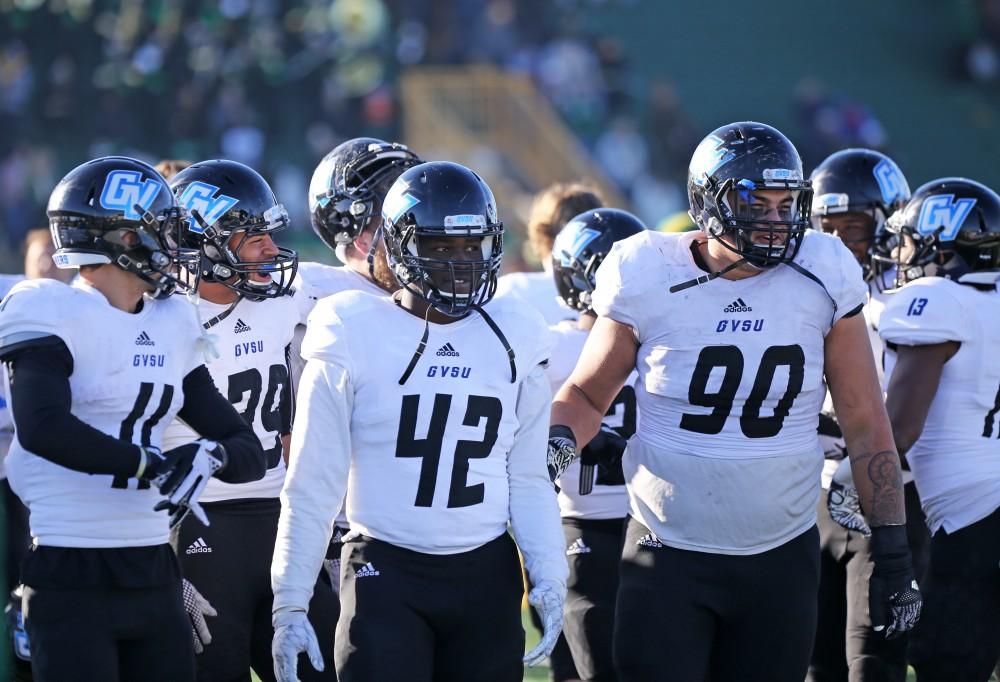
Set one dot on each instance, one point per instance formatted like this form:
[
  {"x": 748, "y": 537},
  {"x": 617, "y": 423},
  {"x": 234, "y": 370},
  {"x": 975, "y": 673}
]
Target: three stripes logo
[
  {"x": 448, "y": 350},
  {"x": 737, "y": 306},
  {"x": 199, "y": 546},
  {"x": 578, "y": 547},
  {"x": 241, "y": 326},
  {"x": 366, "y": 571},
  {"x": 144, "y": 340}
]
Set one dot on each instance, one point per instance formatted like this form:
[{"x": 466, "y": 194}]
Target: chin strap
[
  {"x": 420, "y": 347},
  {"x": 503, "y": 340},
  {"x": 704, "y": 279}
]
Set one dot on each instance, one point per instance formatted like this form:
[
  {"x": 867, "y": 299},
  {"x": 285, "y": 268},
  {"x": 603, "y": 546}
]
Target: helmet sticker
[
  {"x": 832, "y": 203},
  {"x": 462, "y": 222},
  {"x": 781, "y": 175},
  {"x": 944, "y": 212},
  {"x": 124, "y": 189},
  {"x": 890, "y": 181},
  {"x": 200, "y": 196}
]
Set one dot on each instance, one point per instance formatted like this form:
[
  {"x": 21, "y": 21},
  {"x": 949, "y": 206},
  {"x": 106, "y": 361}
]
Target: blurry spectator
[
  {"x": 168, "y": 168},
  {"x": 622, "y": 152}
]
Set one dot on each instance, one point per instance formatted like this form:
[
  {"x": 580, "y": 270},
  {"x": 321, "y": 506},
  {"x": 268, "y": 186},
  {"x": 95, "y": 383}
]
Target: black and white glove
[
  {"x": 562, "y": 450},
  {"x": 549, "y": 598},
  {"x": 197, "y": 608},
  {"x": 604, "y": 452},
  {"x": 894, "y": 599},
  {"x": 181, "y": 475},
  {"x": 844, "y": 503},
  {"x": 293, "y": 634}
]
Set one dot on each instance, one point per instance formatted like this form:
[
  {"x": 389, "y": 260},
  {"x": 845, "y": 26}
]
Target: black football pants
[
  {"x": 229, "y": 562},
  {"x": 689, "y": 616},
  {"x": 414, "y": 617}
]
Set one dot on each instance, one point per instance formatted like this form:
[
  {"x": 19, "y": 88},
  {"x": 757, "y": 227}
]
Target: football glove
[
  {"x": 894, "y": 599},
  {"x": 197, "y": 608},
  {"x": 181, "y": 475},
  {"x": 548, "y": 597},
  {"x": 604, "y": 451},
  {"x": 562, "y": 450},
  {"x": 292, "y": 635},
  {"x": 844, "y": 503}
]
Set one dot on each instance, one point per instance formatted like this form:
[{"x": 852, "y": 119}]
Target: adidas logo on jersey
[
  {"x": 241, "y": 327},
  {"x": 737, "y": 306},
  {"x": 449, "y": 350},
  {"x": 198, "y": 547},
  {"x": 144, "y": 340},
  {"x": 578, "y": 547},
  {"x": 365, "y": 571},
  {"x": 649, "y": 540}
]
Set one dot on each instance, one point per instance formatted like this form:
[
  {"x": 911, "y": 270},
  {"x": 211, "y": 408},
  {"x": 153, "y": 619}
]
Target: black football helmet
[
  {"x": 726, "y": 169},
  {"x": 949, "y": 228},
  {"x": 228, "y": 203},
  {"x": 580, "y": 247},
  {"x": 348, "y": 184},
  {"x": 120, "y": 210},
  {"x": 442, "y": 199},
  {"x": 858, "y": 181}
]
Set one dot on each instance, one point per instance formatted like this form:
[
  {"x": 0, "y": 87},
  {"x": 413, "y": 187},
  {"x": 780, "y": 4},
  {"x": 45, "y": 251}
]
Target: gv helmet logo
[
  {"x": 125, "y": 189},
  {"x": 944, "y": 211},
  {"x": 571, "y": 242},
  {"x": 890, "y": 181},
  {"x": 200, "y": 196}
]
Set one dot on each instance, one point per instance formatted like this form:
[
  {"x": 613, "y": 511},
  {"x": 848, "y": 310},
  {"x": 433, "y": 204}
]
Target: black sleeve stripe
[{"x": 855, "y": 311}]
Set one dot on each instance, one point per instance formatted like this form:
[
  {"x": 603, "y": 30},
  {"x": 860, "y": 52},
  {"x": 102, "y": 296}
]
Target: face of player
[
  {"x": 254, "y": 248},
  {"x": 766, "y": 205},
  {"x": 466, "y": 256},
  {"x": 856, "y": 230}
]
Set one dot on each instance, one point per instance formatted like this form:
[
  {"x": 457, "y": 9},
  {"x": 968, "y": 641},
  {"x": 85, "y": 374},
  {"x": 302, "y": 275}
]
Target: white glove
[
  {"x": 185, "y": 478},
  {"x": 292, "y": 635},
  {"x": 844, "y": 503},
  {"x": 549, "y": 598},
  {"x": 197, "y": 608}
]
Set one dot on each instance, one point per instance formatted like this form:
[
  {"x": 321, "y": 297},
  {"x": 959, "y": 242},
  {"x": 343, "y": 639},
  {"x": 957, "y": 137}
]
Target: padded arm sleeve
[
  {"x": 41, "y": 403},
  {"x": 212, "y": 416}
]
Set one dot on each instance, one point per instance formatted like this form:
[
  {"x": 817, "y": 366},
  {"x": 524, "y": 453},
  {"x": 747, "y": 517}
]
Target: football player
[
  {"x": 246, "y": 301},
  {"x": 854, "y": 193},
  {"x": 592, "y": 498},
  {"x": 551, "y": 210},
  {"x": 442, "y": 442},
  {"x": 732, "y": 328},
  {"x": 944, "y": 403},
  {"x": 95, "y": 372}
]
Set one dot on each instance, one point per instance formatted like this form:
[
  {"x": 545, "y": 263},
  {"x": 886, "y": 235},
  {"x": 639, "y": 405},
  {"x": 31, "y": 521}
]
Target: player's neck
[
  {"x": 418, "y": 307},
  {"x": 214, "y": 292},
  {"x": 122, "y": 289},
  {"x": 586, "y": 321},
  {"x": 711, "y": 256},
  {"x": 359, "y": 266}
]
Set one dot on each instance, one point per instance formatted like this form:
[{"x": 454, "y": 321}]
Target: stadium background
[{"x": 525, "y": 91}]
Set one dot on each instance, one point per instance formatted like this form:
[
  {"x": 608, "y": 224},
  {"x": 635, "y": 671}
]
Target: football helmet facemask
[
  {"x": 348, "y": 184},
  {"x": 581, "y": 246},
  {"x": 858, "y": 181},
  {"x": 726, "y": 170},
  {"x": 228, "y": 204},
  {"x": 950, "y": 228},
  {"x": 118, "y": 210},
  {"x": 443, "y": 200}
]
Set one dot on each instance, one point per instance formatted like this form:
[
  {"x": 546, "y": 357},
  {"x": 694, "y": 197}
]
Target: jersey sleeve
[
  {"x": 850, "y": 291},
  {"x": 37, "y": 308},
  {"x": 924, "y": 313},
  {"x": 621, "y": 292},
  {"x": 326, "y": 335}
]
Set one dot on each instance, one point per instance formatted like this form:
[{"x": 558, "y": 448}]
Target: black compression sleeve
[
  {"x": 40, "y": 404},
  {"x": 213, "y": 417}
]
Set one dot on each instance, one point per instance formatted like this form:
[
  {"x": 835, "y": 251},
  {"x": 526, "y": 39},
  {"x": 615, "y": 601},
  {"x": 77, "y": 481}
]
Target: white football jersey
[
  {"x": 252, "y": 373},
  {"x": 956, "y": 460},
  {"x": 128, "y": 373},
  {"x": 537, "y": 289},
  {"x": 606, "y": 500},
  {"x": 6, "y": 421},
  {"x": 726, "y": 457}
]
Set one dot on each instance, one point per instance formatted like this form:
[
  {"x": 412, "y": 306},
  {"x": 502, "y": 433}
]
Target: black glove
[
  {"x": 562, "y": 450},
  {"x": 894, "y": 599},
  {"x": 604, "y": 451},
  {"x": 181, "y": 474}
]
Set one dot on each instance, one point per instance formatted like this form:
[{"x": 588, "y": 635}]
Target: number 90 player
[
  {"x": 443, "y": 438},
  {"x": 96, "y": 371},
  {"x": 731, "y": 329}
]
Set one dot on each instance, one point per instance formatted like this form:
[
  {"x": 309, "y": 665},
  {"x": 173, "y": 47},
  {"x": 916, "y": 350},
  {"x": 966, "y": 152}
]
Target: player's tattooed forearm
[{"x": 887, "y": 488}]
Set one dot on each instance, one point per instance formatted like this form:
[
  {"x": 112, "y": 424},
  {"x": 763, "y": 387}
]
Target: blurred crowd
[{"x": 278, "y": 83}]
